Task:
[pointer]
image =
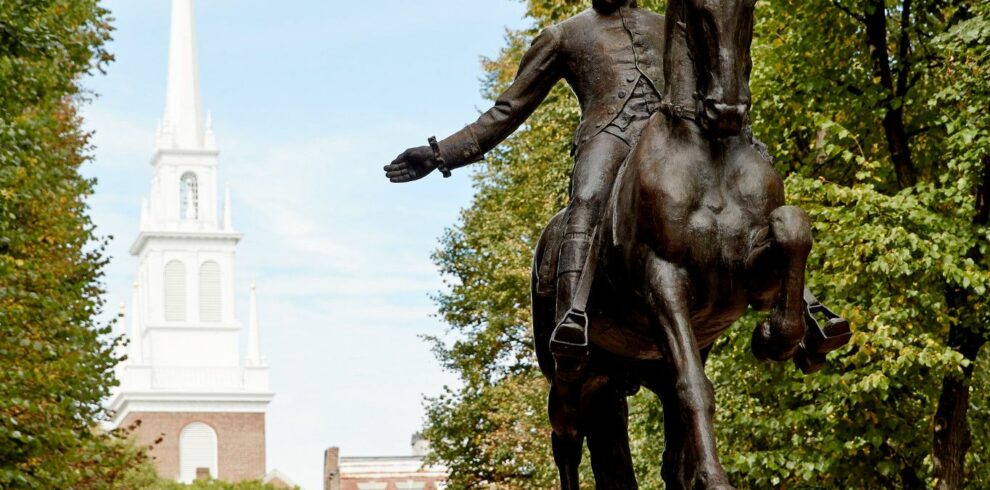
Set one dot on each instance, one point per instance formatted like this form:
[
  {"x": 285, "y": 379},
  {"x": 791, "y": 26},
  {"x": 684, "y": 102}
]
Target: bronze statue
[
  {"x": 655, "y": 257},
  {"x": 611, "y": 57}
]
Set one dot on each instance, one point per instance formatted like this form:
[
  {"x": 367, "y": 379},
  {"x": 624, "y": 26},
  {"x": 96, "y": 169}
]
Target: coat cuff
[{"x": 461, "y": 149}]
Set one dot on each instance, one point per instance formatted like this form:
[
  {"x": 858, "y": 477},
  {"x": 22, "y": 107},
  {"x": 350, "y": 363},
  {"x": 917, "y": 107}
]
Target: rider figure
[{"x": 611, "y": 56}]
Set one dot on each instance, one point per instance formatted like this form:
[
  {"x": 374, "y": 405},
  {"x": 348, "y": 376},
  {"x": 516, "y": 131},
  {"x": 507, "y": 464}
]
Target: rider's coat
[{"x": 602, "y": 56}]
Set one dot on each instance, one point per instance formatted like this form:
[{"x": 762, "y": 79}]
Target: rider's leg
[{"x": 595, "y": 165}]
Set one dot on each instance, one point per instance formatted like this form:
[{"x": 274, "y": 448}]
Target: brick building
[
  {"x": 186, "y": 379},
  {"x": 383, "y": 472}
]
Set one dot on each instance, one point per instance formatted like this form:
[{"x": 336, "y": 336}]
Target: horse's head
[{"x": 720, "y": 34}]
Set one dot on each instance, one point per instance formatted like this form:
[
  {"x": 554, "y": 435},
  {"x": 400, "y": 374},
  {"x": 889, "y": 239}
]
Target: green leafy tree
[
  {"x": 55, "y": 361},
  {"x": 204, "y": 484},
  {"x": 876, "y": 113}
]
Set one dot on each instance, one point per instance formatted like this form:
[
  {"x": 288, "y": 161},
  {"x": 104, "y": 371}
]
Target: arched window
[
  {"x": 188, "y": 197},
  {"x": 197, "y": 452},
  {"x": 209, "y": 292},
  {"x": 175, "y": 291}
]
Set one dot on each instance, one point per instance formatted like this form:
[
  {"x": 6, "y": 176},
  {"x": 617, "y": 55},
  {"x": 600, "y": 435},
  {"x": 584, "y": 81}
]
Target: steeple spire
[{"x": 183, "y": 126}]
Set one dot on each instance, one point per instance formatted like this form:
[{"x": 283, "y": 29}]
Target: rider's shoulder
[
  {"x": 580, "y": 21},
  {"x": 648, "y": 15},
  {"x": 590, "y": 20}
]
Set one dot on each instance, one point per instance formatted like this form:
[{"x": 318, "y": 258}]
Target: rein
[{"x": 678, "y": 111}]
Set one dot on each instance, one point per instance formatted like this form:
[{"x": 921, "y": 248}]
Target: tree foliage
[
  {"x": 876, "y": 114},
  {"x": 55, "y": 362},
  {"x": 150, "y": 482}
]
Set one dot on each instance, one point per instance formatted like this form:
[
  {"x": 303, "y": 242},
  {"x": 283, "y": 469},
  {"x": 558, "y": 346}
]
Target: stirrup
[
  {"x": 822, "y": 340},
  {"x": 569, "y": 346},
  {"x": 819, "y": 341},
  {"x": 570, "y": 337}
]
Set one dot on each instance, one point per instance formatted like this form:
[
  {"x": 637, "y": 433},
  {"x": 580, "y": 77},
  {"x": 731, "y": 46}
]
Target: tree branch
[
  {"x": 848, "y": 11},
  {"x": 904, "y": 50}
]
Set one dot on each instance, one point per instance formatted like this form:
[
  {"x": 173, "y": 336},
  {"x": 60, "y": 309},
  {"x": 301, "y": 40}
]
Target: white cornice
[
  {"x": 144, "y": 236},
  {"x": 184, "y": 152},
  {"x": 123, "y": 404}
]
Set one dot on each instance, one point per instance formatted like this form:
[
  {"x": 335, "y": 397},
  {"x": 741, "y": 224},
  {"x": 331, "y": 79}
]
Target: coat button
[
  {"x": 598, "y": 125},
  {"x": 622, "y": 95},
  {"x": 611, "y": 110},
  {"x": 630, "y": 79}
]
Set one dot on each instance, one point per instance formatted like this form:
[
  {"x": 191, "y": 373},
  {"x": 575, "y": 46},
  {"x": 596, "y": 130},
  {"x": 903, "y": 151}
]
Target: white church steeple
[
  {"x": 185, "y": 359},
  {"x": 183, "y": 126}
]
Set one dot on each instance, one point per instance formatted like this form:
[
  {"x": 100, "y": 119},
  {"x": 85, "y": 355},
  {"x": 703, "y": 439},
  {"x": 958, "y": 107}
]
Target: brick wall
[{"x": 240, "y": 441}]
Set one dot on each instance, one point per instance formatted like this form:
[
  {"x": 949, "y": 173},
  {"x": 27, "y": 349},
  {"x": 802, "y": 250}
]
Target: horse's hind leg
[
  {"x": 608, "y": 439},
  {"x": 779, "y": 337},
  {"x": 567, "y": 439},
  {"x": 693, "y": 399}
]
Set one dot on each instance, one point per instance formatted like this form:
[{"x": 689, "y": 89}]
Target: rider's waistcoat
[{"x": 642, "y": 104}]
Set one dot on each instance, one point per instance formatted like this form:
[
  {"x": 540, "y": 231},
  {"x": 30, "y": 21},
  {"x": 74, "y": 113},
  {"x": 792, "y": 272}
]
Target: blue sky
[{"x": 310, "y": 98}]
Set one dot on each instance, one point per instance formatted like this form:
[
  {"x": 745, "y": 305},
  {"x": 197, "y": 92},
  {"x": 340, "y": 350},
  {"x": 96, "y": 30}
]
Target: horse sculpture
[{"x": 696, "y": 231}]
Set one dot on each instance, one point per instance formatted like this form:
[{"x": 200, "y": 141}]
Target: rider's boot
[{"x": 569, "y": 342}]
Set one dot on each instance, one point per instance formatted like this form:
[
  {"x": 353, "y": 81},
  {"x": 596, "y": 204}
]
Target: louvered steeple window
[
  {"x": 209, "y": 292},
  {"x": 175, "y": 291}
]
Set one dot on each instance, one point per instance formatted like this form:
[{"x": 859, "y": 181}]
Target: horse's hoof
[
  {"x": 809, "y": 362},
  {"x": 769, "y": 347},
  {"x": 720, "y": 483}
]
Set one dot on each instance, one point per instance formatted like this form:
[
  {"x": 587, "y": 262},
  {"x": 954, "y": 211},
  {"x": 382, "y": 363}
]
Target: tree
[
  {"x": 55, "y": 361},
  {"x": 875, "y": 112},
  {"x": 204, "y": 484}
]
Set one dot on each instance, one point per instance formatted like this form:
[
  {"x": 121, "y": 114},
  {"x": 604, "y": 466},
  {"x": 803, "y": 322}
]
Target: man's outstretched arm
[{"x": 538, "y": 72}]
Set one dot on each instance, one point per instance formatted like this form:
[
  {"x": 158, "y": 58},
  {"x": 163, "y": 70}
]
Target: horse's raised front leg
[
  {"x": 669, "y": 298},
  {"x": 779, "y": 337}
]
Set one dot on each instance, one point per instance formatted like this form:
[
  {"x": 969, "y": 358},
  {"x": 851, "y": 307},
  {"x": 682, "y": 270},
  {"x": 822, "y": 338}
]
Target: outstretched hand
[{"x": 412, "y": 164}]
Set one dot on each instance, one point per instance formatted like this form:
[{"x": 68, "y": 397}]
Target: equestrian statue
[{"x": 676, "y": 225}]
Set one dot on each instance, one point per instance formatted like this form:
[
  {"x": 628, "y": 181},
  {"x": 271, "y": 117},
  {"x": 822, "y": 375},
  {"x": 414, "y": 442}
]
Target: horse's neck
[{"x": 679, "y": 70}]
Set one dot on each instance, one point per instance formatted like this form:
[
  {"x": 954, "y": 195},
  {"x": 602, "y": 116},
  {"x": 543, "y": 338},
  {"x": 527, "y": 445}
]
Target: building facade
[
  {"x": 187, "y": 389},
  {"x": 383, "y": 472}
]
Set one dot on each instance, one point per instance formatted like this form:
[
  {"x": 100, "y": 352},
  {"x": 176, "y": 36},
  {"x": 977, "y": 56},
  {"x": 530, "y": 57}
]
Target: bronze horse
[{"x": 696, "y": 231}]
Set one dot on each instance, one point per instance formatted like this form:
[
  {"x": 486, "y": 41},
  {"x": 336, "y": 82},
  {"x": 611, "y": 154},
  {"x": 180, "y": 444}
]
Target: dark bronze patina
[
  {"x": 611, "y": 55},
  {"x": 655, "y": 257}
]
